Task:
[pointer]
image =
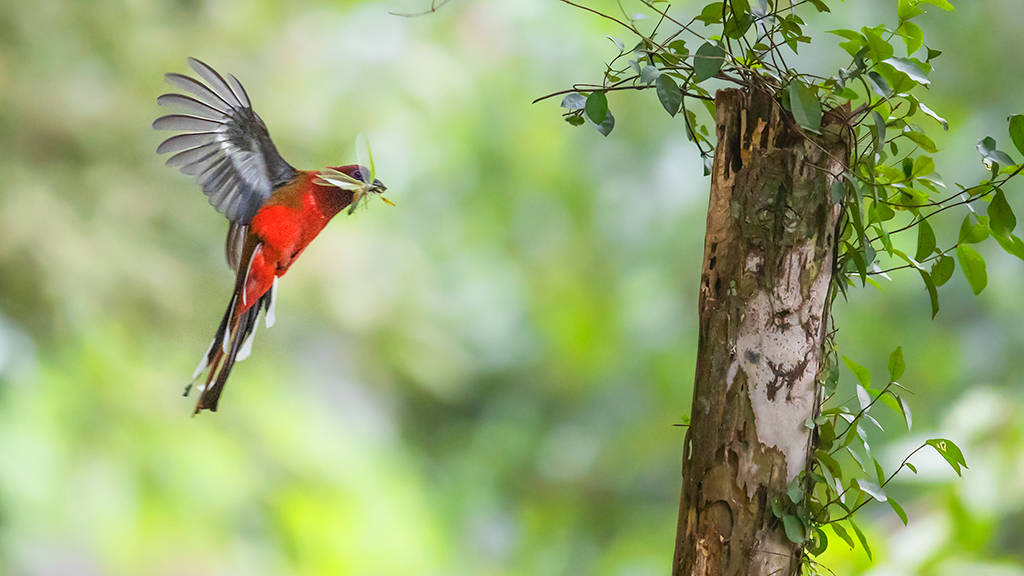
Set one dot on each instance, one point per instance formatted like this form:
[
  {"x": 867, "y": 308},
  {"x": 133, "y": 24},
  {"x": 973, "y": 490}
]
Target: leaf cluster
[
  {"x": 890, "y": 185},
  {"x": 843, "y": 475}
]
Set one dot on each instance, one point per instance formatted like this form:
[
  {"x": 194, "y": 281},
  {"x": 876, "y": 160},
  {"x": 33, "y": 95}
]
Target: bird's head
[
  {"x": 358, "y": 179},
  {"x": 362, "y": 175}
]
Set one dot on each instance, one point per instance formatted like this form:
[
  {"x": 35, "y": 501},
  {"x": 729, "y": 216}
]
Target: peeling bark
[{"x": 768, "y": 256}]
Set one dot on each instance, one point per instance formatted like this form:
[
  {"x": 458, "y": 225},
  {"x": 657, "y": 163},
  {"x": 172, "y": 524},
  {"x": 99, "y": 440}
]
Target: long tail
[{"x": 233, "y": 343}]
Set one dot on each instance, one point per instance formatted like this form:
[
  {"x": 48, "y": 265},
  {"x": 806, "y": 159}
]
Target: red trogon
[{"x": 274, "y": 210}]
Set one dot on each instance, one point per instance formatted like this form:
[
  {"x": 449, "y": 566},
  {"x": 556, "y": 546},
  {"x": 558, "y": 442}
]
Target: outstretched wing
[{"x": 224, "y": 143}]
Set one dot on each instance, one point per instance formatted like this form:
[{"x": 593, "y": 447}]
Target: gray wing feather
[
  {"x": 190, "y": 105},
  {"x": 225, "y": 144},
  {"x": 186, "y": 122},
  {"x": 186, "y": 141},
  {"x": 195, "y": 155},
  {"x": 214, "y": 80},
  {"x": 239, "y": 91},
  {"x": 237, "y": 234},
  {"x": 196, "y": 87}
]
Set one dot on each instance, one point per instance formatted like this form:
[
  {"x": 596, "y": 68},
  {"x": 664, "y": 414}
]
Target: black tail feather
[{"x": 220, "y": 361}]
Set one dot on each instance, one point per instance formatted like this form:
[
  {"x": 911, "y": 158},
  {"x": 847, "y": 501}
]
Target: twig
[{"x": 434, "y": 6}]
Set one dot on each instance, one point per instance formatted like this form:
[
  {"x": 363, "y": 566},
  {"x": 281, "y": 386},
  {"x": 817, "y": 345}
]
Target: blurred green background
[{"x": 482, "y": 380}]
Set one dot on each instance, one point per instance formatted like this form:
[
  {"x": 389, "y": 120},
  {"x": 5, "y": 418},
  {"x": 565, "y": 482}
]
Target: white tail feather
[
  {"x": 205, "y": 362},
  {"x": 246, "y": 348},
  {"x": 270, "y": 317}
]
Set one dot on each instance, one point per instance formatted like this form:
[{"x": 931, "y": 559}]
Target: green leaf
[
  {"x": 794, "y": 529},
  {"x": 942, "y": 270},
  {"x": 872, "y": 489},
  {"x": 879, "y": 129},
  {"x": 618, "y": 43},
  {"x": 908, "y": 9},
  {"x": 838, "y": 191},
  {"x": 649, "y": 74},
  {"x": 950, "y": 451},
  {"x": 669, "y": 94},
  {"x": 712, "y": 13},
  {"x": 911, "y": 467},
  {"x": 830, "y": 467},
  {"x": 1000, "y": 217},
  {"x": 989, "y": 153},
  {"x": 805, "y": 106},
  {"x": 1012, "y": 245},
  {"x": 973, "y": 266},
  {"x": 910, "y": 68},
  {"x": 863, "y": 374},
  {"x": 921, "y": 139},
  {"x": 896, "y": 364},
  {"x": 932, "y": 287},
  {"x": 863, "y": 398},
  {"x": 736, "y": 26},
  {"x": 795, "y": 493},
  {"x": 879, "y": 473},
  {"x": 925, "y": 240},
  {"x": 931, "y": 113},
  {"x": 861, "y": 538},
  {"x": 596, "y": 107},
  {"x": 574, "y": 101},
  {"x": 912, "y": 35},
  {"x": 944, "y": 4},
  {"x": 819, "y": 5},
  {"x": 907, "y": 416},
  {"x": 855, "y": 41},
  {"x": 740, "y": 8},
  {"x": 842, "y": 533},
  {"x": 898, "y": 510},
  {"x": 819, "y": 543},
  {"x": 605, "y": 128},
  {"x": 707, "y": 62},
  {"x": 973, "y": 233},
  {"x": 1017, "y": 132},
  {"x": 923, "y": 165},
  {"x": 880, "y": 49},
  {"x": 832, "y": 380},
  {"x": 878, "y": 84}
]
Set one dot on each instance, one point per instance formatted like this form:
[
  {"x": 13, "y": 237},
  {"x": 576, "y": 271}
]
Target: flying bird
[{"x": 274, "y": 210}]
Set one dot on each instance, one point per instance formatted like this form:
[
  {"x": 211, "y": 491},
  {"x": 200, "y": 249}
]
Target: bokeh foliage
[{"x": 482, "y": 380}]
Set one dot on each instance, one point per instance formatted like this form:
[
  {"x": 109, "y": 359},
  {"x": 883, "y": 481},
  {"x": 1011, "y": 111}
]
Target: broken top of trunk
[{"x": 768, "y": 255}]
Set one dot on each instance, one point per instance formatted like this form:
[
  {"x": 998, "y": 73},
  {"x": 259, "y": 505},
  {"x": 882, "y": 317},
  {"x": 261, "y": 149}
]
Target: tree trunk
[{"x": 764, "y": 308}]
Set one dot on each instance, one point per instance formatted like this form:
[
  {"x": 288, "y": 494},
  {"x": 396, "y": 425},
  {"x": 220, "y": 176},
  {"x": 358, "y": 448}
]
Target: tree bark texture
[{"x": 764, "y": 307}]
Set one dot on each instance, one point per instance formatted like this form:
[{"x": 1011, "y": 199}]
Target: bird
[{"x": 274, "y": 210}]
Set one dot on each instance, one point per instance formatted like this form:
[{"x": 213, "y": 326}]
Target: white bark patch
[
  {"x": 778, "y": 351},
  {"x": 753, "y": 262}
]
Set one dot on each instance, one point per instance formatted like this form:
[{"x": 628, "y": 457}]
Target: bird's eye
[{"x": 358, "y": 175}]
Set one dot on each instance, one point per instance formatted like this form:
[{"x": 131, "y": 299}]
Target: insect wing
[{"x": 365, "y": 158}]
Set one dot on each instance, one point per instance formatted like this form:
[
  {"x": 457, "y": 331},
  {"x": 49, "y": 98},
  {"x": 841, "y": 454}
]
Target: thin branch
[
  {"x": 614, "y": 88},
  {"x": 434, "y": 7},
  {"x": 599, "y": 13}
]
